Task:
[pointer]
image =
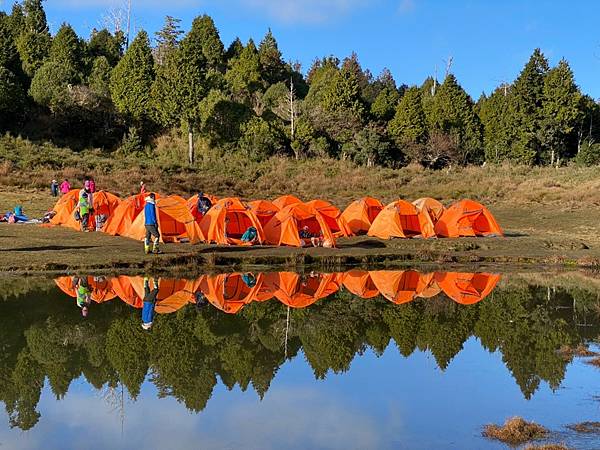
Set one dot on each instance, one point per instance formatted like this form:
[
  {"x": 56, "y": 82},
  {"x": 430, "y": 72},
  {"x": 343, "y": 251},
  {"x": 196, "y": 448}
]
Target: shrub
[{"x": 589, "y": 154}]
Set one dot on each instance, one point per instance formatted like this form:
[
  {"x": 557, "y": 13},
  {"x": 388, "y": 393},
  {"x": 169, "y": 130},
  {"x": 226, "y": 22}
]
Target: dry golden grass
[
  {"x": 595, "y": 362},
  {"x": 586, "y": 427},
  {"x": 515, "y": 431},
  {"x": 568, "y": 352}
]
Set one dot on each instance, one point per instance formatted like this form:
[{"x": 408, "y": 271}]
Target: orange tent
[
  {"x": 430, "y": 287},
  {"x": 401, "y": 219},
  {"x": 359, "y": 283},
  {"x": 399, "y": 286},
  {"x": 332, "y": 217},
  {"x": 172, "y": 294},
  {"x": 64, "y": 207},
  {"x": 298, "y": 291},
  {"x": 175, "y": 222},
  {"x": 226, "y": 222},
  {"x": 286, "y": 200},
  {"x": 264, "y": 210},
  {"x": 431, "y": 206},
  {"x": 104, "y": 203},
  {"x": 284, "y": 228},
  {"x": 229, "y": 292},
  {"x": 124, "y": 215},
  {"x": 124, "y": 289},
  {"x": 100, "y": 288},
  {"x": 467, "y": 218},
  {"x": 193, "y": 205},
  {"x": 360, "y": 214},
  {"x": 467, "y": 288}
]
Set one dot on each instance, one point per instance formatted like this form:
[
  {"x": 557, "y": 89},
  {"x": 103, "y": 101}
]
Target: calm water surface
[{"x": 356, "y": 360}]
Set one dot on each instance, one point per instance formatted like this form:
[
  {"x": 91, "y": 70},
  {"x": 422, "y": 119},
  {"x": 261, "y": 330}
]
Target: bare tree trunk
[
  {"x": 292, "y": 109},
  {"x": 552, "y": 158},
  {"x": 191, "y": 145},
  {"x": 128, "y": 22}
]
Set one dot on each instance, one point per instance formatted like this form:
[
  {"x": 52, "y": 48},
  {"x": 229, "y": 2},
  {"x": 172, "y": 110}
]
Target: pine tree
[
  {"x": 17, "y": 20},
  {"x": 493, "y": 112},
  {"x": 560, "y": 112},
  {"x": 243, "y": 76},
  {"x": 234, "y": 50},
  {"x": 384, "y": 106},
  {"x": 409, "y": 124},
  {"x": 9, "y": 56},
  {"x": 165, "y": 102},
  {"x": 453, "y": 114},
  {"x": 131, "y": 80},
  {"x": 99, "y": 79},
  {"x": 524, "y": 112},
  {"x": 103, "y": 43},
  {"x": 272, "y": 67},
  {"x": 68, "y": 49},
  {"x": 34, "y": 41},
  {"x": 11, "y": 97},
  {"x": 167, "y": 39},
  {"x": 212, "y": 46}
]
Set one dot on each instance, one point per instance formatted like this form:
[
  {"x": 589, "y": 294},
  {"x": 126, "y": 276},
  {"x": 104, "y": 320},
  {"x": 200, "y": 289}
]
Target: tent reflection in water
[
  {"x": 175, "y": 222},
  {"x": 230, "y": 292},
  {"x": 467, "y": 288},
  {"x": 360, "y": 214},
  {"x": 360, "y": 283},
  {"x": 100, "y": 288},
  {"x": 467, "y": 218},
  {"x": 227, "y": 221},
  {"x": 401, "y": 286},
  {"x": 301, "y": 291},
  {"x": 401, "y": 219}
]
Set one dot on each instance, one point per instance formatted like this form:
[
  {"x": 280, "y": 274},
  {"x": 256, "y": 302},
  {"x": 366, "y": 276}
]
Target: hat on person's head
[
  {"x": 84, "y": 194},
  {"x": 141, "y": 182},
  {"x": 147, "y": 325},
  {"x": 54, "y": 181}
]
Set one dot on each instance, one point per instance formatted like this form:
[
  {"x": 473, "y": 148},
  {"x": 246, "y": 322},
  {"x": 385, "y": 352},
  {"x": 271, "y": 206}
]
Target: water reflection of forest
[{"x": 331, "y": 318}]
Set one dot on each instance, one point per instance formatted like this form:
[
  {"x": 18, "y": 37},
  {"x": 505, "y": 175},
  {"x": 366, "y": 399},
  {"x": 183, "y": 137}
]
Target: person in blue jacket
[
  {"x": 151, "y": 223},
  {"x": 150, "y": 297}
]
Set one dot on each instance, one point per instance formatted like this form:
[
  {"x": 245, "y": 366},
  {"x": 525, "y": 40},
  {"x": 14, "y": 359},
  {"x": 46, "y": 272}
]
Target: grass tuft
[
  {"x": 586, "y": 427},
  {"x": 515, "y": 431}
]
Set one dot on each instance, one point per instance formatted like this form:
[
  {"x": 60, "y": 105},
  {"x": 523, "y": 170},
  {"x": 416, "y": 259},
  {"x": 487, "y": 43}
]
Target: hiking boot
[
  {"x": 156, "y": 251},
  {"x": 147, "y": 250}
]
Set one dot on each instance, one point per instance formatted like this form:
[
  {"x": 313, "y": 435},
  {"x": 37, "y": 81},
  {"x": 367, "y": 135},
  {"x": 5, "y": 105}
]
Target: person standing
[
  {"x": 151, "y": 224},
  {"x": 54, "y": 188},
  {"x": 92, "y": 185},
  {"x": 142, "y": 187},
  {"x": 150, "y": 297},
  {"x": 65, "y": 187},
  {"x": 84, "y": 211},
  {"x": 84, "y": 295}
]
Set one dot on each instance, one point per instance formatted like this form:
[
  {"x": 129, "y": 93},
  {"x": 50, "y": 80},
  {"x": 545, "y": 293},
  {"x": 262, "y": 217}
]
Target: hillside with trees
[{"x": 246, "y": 99}]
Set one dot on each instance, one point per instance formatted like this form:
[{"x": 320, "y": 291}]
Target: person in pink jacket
[{"x": 65, "y": 187}]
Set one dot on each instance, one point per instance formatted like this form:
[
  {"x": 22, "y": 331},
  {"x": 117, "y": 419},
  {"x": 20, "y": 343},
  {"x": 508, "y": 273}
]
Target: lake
[{"x": 355, "y": 360}]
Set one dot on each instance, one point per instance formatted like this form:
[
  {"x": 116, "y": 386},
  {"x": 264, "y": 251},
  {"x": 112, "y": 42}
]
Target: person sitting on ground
[
  {"x": 250, "y": 236},
  {"x": 151, "y": 224},
  {"x": 54, "y": 188},
  {"x": 84, "y": 211},
  {"x": 306, "y": 236},
  {"x": 200, "y": 300},
  {"x": 65, "y": 187},
  {"x": 150, "y": 297},
  {"x": 204, "y": 203}
]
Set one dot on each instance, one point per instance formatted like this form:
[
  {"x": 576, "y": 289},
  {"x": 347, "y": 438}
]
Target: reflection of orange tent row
[
  {"x": 264, "y": 210},
  {"x": 401, "y": 219},
  {"x": 332, "y": 217},
  {"x": 360, "y": 214},
  {"x": 467, "y": 218},
  {"x": 229, "y": 292},
  {"x": 100, "y": 288},
  {"x": 467, "y": 288},
  {"x": 297, "y": 291},
  {"x": 360, "y": 283},
  {"x": 401, "y": 286},
  {"x": 431, "y": 206},
  {"x": 124, "y": 215},
  {"x": 226, "y": 222},
  {"x": 284, "y": 228},
  {"x": 175, "y": 222}
]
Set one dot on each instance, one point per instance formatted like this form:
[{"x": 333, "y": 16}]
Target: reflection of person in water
[
  {"x": 150, "y": 297},
  {"x": 249, "y": 279},
  {"x": 200, "y": 300},
  {"x": 84, "y": 295}
]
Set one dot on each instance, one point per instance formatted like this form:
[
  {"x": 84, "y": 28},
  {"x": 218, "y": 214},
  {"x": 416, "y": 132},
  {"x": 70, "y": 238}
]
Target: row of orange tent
[
  {"x": 284, "y": 221},
  {"x": 231, "y": 292}
]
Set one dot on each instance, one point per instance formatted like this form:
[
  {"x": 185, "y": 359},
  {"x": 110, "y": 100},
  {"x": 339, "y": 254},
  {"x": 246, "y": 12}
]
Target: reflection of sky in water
[{"x": 386, "y": 402}]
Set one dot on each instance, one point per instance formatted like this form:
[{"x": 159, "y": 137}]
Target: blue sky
[{"x": 489, "y": 41}]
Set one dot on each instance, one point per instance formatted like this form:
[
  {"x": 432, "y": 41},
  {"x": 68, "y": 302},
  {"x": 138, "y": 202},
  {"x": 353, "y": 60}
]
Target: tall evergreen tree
[
  {"x": 167, "y": 39},
  {"x": 234, "y": 50},
  {"x": 560, "y": 112},
  {"x": 384, "y": 106},
  {"x": 67, "y": 48},
  {"x": 493, "y": 112},
  {"x": 525, "y": 109},
  {"x": 131, "y": 80},
  {"x": 9, "y": 56},
  {"x": 273, "y": 68},
  {"x": 243, "y": 76},
  {"x": 99, "y": 79},
  {"x": 34, "y": 41},
  {"x": 212, "y": 46},
  {"x": 17, "y": 20},
  {"x": 453, "y": 114},
  {"x": 11, "y": 98},
  {"x": 104, "y": 43},
  {"x": 409, "y": 125}
]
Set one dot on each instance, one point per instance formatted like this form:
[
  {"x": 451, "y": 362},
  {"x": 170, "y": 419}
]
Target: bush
[
  {"x": 132, "y": 142},
  {"x": 260, "y": 139},
  {"x": 589, "y": 154}
]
